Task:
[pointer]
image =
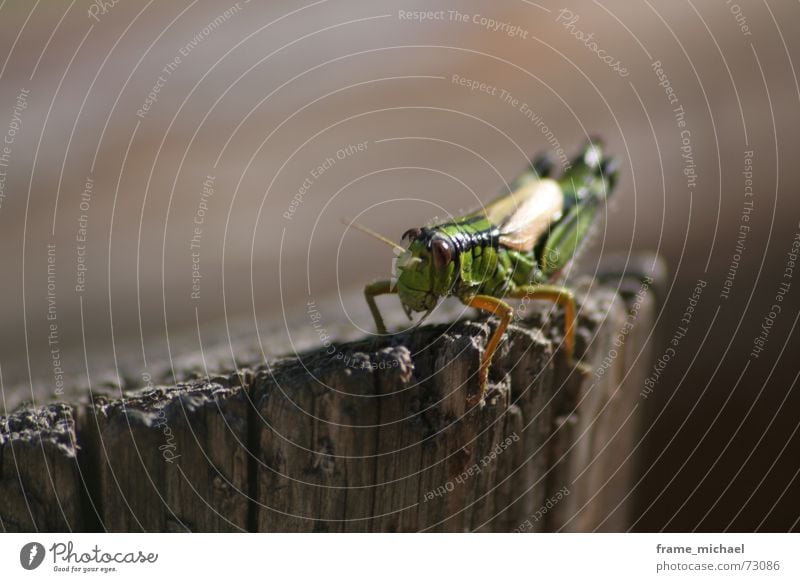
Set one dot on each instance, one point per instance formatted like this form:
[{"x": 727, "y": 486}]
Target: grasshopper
[{"x": 513, "y": 248}]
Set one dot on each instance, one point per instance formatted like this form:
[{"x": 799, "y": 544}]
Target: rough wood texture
[
  {"x": 40, "y": 480},
  {"x": 366, "y": 436},
  {"x": 170, "y": 459}
]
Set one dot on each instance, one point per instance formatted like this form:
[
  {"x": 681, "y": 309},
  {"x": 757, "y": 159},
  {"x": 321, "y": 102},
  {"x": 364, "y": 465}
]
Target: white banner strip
[{"x": 402, "y": 557}]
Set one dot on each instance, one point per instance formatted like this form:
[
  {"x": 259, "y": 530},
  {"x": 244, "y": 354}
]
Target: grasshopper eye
[{"x": 442, "y": 252}]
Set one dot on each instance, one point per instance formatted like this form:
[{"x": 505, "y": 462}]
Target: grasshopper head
[
  {"x": 424, "y": 271},
  {"x": 419, "y": 270}
]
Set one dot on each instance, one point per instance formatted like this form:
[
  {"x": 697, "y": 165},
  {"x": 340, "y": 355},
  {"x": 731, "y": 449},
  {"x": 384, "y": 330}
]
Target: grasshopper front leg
[
  {"x": 504, "y": 311},
  {"x": 370, "y": 292}
]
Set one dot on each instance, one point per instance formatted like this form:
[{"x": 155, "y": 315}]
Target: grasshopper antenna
[{"x": 347, "y": 222}]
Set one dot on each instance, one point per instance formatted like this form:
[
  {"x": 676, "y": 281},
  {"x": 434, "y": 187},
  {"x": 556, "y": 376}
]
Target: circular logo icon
[{"x": 31, "y": 555}]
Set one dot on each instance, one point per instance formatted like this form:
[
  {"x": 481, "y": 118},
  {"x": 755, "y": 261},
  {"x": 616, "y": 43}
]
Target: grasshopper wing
[{"x": 526, "y": 214}]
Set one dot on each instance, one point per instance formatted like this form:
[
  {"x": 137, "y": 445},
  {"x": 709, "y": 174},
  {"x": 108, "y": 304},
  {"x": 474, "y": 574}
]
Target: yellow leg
[
  {"x": 561, "y": 296},
  {"x": 502, "y": 310},
  {"x": 370, "y": 292}
]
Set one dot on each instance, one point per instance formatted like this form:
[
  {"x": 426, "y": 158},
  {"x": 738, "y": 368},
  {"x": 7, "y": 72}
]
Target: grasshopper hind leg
[
  {"x": 560, "y": 296},
  {"x": 543, "y": 165}
]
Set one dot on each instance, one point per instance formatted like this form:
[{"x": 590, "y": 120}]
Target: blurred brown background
[{"x": 157, "y": 105}]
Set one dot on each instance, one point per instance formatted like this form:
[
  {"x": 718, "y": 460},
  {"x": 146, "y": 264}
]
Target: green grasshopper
[{"x": 515, "y": 247}]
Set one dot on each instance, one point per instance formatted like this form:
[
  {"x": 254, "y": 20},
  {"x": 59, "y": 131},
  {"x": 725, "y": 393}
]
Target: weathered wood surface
[{"x": 376, "y": 436}]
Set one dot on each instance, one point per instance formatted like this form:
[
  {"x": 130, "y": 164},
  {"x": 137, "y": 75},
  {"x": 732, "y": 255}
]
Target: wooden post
[
  {"x": 374, "y": 435},
  {"x": 40, "y": 479}
]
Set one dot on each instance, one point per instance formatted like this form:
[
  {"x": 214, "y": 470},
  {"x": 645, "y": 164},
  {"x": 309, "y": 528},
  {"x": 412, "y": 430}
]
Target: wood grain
[{"x": 374, "y": 435}]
